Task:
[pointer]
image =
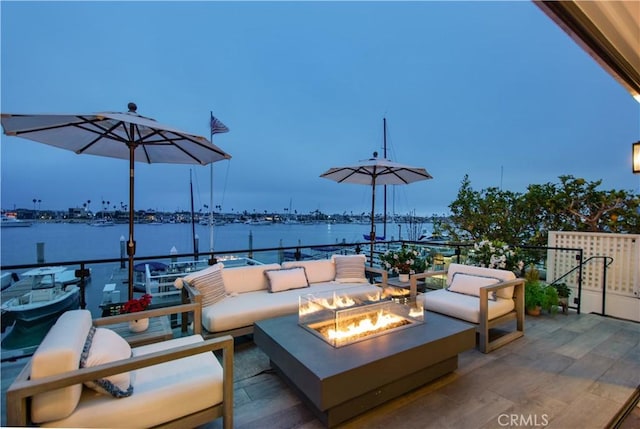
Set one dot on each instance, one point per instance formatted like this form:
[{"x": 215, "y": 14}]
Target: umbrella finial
[
  {"x": 132, "y": 107},
  {"x": 375, "y": 154}
]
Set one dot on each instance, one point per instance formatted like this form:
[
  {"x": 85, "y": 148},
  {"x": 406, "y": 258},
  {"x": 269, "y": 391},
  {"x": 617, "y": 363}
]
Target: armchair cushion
[
  {"x": 59, "y": 352},
  {"x": 287, "y": 279},
  {"x": 469, "y": 284},
  {"x": 350, "y": 269},
  {"x": 502, "y": 275},
  {"x": 105, "y": 346},
  {"x": 160, "y": 391},
  {"x": 465, "y": 307}
]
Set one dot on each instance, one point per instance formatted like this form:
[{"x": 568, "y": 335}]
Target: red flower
[{"x": 135, "y": 305}]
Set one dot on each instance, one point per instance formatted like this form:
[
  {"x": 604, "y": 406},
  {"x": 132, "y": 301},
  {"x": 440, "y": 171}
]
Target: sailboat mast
[
  {"x": 193, "y": 221},
  {"x": 384, "y": 217},
  {"x": 211, "y": 196}
]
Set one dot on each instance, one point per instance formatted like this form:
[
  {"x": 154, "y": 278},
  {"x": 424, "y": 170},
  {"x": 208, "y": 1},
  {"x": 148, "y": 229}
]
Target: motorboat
[
  {"x": 102, "y": 222},
  {"x": 43, "y": 300},
  {"x": 12, "y": 222}
]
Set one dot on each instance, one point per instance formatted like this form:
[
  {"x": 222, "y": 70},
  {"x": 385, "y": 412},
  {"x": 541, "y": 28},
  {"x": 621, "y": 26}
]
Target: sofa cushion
[
  {"x": 465, "y": 307},
  {"x": 59, "y": 352},
  {"x": 350, "y": 269},
  {"x": 163, "y": 392},
  {"x": 210, "y": 284},
  {"x": 247, "y": 279},
  {"x": 105, "y": 346},
  {"x": 503, "y": 275},
  {"x": 286, "y": 279},
  {"x": 469, "y": 284},
  {"x": 321, "y": 270}
]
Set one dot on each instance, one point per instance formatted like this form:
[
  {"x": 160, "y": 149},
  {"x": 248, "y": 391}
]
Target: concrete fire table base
[{"x": 340, "y": 383}]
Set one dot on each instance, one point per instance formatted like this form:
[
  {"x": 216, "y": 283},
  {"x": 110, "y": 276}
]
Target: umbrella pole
[
  {"x": 131, "y": 244},
  {"x": 372, "y": 237}
]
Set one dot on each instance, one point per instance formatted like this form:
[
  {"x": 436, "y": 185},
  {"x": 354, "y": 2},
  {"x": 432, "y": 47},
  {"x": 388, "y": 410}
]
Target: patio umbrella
[
  {"x": 124, "y": 135},
  {"x": 374, "y": 171}
]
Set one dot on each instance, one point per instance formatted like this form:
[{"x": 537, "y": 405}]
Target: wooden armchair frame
[{"x": 485, "y": 324}]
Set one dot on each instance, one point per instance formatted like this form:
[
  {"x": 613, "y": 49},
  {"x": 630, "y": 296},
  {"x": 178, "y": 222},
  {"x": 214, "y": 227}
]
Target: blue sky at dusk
[{"x": 494, "y": 90}]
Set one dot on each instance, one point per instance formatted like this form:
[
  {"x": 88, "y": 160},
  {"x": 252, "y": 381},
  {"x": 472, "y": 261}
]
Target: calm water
[{"x": 71, "y": 242}]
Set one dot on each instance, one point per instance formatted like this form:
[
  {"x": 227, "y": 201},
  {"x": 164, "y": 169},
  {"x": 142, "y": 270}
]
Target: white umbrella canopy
[
  {"x": 376, "y": 171},
  {"x": 125, "y": 135}
]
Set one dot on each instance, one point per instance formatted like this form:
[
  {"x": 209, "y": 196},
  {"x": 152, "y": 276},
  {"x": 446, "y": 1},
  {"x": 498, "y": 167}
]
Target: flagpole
[{"x": 216, "y": 127}]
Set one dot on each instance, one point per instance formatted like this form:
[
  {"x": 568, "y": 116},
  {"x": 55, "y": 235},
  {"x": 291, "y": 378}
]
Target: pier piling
[{"x": 40, "y": 253}]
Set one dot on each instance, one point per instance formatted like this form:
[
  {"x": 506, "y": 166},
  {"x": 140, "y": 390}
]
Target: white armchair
[
  {"x": 482, "y": 296},
  {"x": 85, "y": 376}
]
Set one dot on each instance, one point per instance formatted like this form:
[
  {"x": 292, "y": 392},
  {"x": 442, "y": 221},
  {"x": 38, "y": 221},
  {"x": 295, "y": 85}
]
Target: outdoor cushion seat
[{"x": 466, "y": 307}]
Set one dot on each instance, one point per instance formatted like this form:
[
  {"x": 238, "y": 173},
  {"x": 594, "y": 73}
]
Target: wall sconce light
[{"x": 635, "y": 157}]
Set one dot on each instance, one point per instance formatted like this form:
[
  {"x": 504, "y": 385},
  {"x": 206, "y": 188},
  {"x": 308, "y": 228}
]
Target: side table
[
  {"x": 159, "y": 330},
  {"x": 412, "y": 285}
]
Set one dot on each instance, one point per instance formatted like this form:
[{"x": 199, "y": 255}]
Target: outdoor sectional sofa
[
  {"x": 483, "y": 296},
  {"x": 233, "y": 299}
]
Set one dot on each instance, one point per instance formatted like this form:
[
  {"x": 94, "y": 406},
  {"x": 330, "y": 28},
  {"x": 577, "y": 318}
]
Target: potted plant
[
  {"x": 538, "y": 297},
  {"x": 403, "y": 261},
  {"x": 533, "y": 297},
  {"x": 563, "y": 295},
  {"x": 135, "y": 305},
  {"x": 550, "y": 300}
]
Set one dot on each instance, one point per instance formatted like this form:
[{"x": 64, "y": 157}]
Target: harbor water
[{"x": 72, "y": 242}]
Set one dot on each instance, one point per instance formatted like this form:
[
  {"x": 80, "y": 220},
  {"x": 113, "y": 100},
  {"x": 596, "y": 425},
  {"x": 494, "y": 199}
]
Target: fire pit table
[{"x": 338, "y": 383}]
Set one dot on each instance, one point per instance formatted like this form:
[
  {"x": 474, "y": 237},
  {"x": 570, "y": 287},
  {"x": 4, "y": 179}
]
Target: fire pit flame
[
  {"x": 366, "y": 326},
  {"x": 336, "y": 301}
]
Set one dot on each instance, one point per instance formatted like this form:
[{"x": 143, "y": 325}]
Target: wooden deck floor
[{"x": 574, "y": 371}]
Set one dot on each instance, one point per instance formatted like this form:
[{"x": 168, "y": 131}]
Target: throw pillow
[
  {"x": 350, "y": 269},
  {"x": 105, "y": 346},
  {"x": 189, "y": 278},
  {"x": 210, "y": 284},
  {"x": 469, "y": 284},
  {"x": 286, "y": 279}
]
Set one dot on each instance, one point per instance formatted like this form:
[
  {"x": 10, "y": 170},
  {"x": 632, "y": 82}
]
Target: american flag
[{"x": 217, "y": 126}]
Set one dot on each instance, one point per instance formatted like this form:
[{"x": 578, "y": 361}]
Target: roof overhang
[{"x": 609, "y": 31}]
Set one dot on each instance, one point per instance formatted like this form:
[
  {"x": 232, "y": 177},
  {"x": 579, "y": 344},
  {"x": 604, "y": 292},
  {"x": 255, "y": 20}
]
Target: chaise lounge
[{"x": 483, "y": 296}]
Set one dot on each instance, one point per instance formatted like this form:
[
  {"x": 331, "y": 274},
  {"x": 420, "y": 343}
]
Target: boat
[
  {"x": 11, "y": 221},
  {"x": 40, "y": 298},
  {"x": 102, "y": 222},
  {"x": 367, "y": 237}
]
